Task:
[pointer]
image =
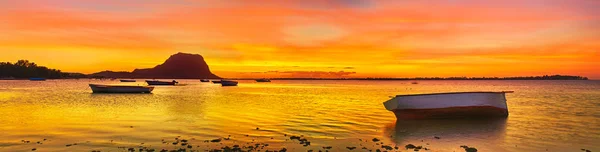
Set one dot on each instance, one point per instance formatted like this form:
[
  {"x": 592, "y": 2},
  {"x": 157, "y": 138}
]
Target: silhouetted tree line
[{"x": 25, "y": 69}]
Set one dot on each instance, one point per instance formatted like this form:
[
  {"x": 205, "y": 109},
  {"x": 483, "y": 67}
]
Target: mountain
[{"x": 178, "y": 66}]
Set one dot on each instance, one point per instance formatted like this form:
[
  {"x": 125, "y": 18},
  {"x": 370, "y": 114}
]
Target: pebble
[
  {"x": 387, "y": 147},
  {"x": 468, "y": 149}
]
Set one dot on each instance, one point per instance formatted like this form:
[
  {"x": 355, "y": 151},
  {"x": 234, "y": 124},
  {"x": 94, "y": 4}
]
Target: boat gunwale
[{"x": 443, "y": 93}]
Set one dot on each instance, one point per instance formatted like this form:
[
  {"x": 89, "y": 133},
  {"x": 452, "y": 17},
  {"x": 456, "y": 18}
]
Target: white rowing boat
[{"x": 449, "y": 105}]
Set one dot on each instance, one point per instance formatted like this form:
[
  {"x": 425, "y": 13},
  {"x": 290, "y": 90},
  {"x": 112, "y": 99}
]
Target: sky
[{"x": 310, "y": 38}]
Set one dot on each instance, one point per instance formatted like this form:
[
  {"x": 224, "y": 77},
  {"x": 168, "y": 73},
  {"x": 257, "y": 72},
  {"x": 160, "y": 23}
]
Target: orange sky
[{"x": 301, "y": 38}]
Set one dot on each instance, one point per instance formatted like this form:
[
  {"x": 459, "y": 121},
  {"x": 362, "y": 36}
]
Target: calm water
[{"x": 544, "y": 115}]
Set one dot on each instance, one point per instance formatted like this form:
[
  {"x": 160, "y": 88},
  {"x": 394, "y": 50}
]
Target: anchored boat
[
  {"x": 228, "y": 83},
  {"x": 126, "y": 80},
  {"x": 100, "y": 88},
  {"x": 449, "y": 105},
  {"x": 217, "y": 81},
  {"x": 204, "y": 80},
  {"x": 156, "y": 82},
  {"x": 37, "y": 79},
  {"x": 263, "y": 80}
]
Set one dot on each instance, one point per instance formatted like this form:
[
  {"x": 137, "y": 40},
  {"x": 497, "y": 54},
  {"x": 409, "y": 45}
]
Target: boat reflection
[{"x": 455, "y": 129}]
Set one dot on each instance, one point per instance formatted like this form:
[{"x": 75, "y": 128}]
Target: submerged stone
[
  {"x": 295, "y": 137},
  {"x": 387, "y": 147},
  {"x": 471, "y": 149}
]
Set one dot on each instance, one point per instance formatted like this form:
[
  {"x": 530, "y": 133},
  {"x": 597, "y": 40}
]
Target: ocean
[{"x": 64, "y": 115}]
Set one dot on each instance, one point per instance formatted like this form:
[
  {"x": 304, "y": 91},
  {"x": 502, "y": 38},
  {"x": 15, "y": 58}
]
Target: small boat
[
  {"x": 156, "y": 82},
  {"x": 449, "y": 105},
  {"x": 414, "y": 83},
  {"x": 228, "y": 83},
  {"x": 37, "y": 79},
  {"x": 218, "y": 81},
  {"x": 263, "y": 80},
  {"x": 8, "y": 78},
  {"x": 204, "y": 80},
  {"x": 126, "y": 80},
  {"x": 100, "y": 88}
]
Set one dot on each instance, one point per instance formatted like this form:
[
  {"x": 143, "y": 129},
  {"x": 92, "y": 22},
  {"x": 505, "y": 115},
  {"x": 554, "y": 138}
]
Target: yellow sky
[{"x": 309, "y": 38}]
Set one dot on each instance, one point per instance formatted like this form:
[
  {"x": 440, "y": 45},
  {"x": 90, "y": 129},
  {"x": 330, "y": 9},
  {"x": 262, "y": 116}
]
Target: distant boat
[
  {"x": 414, "y": 83},
  {"x": 217, "y": 81},
  {"x": 37, "y": 79},
  {"x": 449, "y": 105},
  {"x": 126, "y": 80},
  {"x": 263, "y": 80},
  {"x": 99, "y": 88},
  {"x": 204, "y": 80},
  {"x": 7, "y": 78},
  {"x": 228, "y": 83},
  {"x": 156, "y": 82}
]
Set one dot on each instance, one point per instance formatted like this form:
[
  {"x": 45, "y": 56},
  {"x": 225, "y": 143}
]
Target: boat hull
[
  {"x": 128, "y": 80},
  {"x": 120, "y": 89},
  {"x": 229, "y": 83},
  {"x": 449, "y": 105},
  {"x": 204, "y": 80},
  {"x": 263, "y": 80},
  {"x": 216, "y": 82},
  {"x": 160, "y": 82},
  {"x": 37, "y": 79}
]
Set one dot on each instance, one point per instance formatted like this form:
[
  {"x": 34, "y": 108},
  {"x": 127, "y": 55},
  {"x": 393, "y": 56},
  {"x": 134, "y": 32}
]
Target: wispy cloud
[{"x": 374, "y": 38}]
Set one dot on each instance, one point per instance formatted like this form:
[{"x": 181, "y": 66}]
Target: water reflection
[{"x": 415, "y": 130}]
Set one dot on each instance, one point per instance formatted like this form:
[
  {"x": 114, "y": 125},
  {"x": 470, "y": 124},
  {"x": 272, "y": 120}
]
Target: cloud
[
  {"x": 313, "y": 34},
  {"x": 374, "y": 37}
]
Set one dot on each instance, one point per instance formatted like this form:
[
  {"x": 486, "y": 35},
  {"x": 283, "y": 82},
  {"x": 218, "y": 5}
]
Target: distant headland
[
  {"x": 178, "y": 66},
  {"x": 193, "y": 66},
  {"x": 23, "y": 69}
]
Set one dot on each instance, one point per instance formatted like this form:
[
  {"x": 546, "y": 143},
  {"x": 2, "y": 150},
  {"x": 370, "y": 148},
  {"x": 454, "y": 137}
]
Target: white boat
[
  {"x": 449, "y": 105},
  {"x": 100, "y": 88}
]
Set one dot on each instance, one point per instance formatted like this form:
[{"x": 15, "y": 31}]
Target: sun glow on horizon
[{"x": 333, "y": 38}]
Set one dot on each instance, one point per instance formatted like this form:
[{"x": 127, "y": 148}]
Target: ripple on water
[{"x": 558, "y": 115}]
